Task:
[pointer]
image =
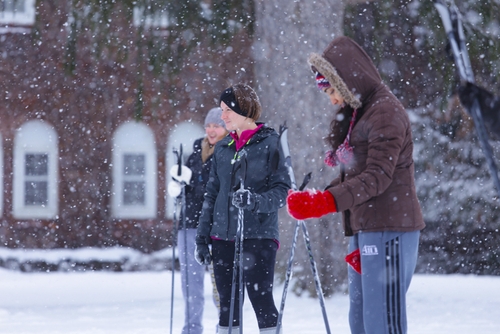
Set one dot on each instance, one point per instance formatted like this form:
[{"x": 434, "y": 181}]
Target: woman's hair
[
  {"x": 339, "y": 127},
  {"x": 248, "y": 100}
]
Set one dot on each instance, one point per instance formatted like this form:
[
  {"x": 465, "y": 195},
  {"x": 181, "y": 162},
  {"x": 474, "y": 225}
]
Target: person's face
[
  {"x": 233, "y": 121},
  {"x": 214, "y": 132},
  {"x": 334, "y": 95}
]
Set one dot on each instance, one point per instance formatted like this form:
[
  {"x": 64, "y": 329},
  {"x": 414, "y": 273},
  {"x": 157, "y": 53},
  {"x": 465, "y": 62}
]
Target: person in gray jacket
[
  {"x": 195, "y": 176},
  {"x": 372, "y": 144},
  {"x": 265, "y": 190}
]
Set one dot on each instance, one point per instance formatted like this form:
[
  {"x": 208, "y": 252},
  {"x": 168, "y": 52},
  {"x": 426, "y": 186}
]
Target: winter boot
[
  {"x": 225, "y": 330},
  {"x": 270, "y": 330}
]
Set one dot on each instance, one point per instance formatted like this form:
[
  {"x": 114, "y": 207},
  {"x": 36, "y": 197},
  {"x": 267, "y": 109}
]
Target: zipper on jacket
[
  {"x": 347, "y": 213},
  {"x": 231, "y": 186},
  {"x": 236, "y": 155},
  {"x": 229, "y": 201}
]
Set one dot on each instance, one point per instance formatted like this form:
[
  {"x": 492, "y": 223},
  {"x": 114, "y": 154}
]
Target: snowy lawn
[{"x": 139, "y": 302}]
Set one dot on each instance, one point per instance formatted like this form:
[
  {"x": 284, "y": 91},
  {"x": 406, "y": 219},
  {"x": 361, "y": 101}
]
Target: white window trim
[
  {"x": 134, "y": 138},
  {"x": 35, "y": 137},
  {"x": 26, "y": 18},
  {"x": 1, "y": 175},
  {"x": 184, "y": 133},
  {"x": 155, "y": 20}
]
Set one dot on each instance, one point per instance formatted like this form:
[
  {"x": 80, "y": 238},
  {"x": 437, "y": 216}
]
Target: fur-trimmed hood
[{"x": 348, "y": 69}]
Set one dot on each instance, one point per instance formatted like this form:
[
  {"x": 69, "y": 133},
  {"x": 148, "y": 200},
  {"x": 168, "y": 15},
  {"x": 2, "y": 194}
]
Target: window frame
[
  {"x": 26, "y": 18},
  {"x": 2, "y": 169},
  {"x": 35, "y": 137},
  {"x": 157, "y": 19},
  {"x": 134, "y": 138}
]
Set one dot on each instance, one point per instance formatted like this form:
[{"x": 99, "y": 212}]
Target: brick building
[{"x": 89, "y": 121}]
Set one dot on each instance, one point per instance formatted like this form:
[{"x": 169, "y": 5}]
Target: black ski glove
[
  {"x": 244, "y": 199},
  {"x": 202, "y": 252},
  {"x": 468, "y": 92},
  {"x": 488, "y": 103}
]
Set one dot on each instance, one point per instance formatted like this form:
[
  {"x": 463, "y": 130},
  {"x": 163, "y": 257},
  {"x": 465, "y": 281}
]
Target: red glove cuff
[{"x": 310, "y": 204}]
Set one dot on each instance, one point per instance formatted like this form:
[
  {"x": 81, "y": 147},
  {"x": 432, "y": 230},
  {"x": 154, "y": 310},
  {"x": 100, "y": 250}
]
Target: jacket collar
[{"x": 245, "y": 136}]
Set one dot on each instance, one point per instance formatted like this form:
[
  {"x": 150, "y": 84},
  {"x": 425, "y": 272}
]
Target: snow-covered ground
[{"x": 139, "y": 302}]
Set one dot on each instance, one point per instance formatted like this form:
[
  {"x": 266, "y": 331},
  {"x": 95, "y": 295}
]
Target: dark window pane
[
  {"x": 134, "y": 192},
  {"x": 134, "y": 164},
  {"x": 36, "y": 164},
  {"x": 15, "y": 6},
  {"x": 35, "y": 193}
]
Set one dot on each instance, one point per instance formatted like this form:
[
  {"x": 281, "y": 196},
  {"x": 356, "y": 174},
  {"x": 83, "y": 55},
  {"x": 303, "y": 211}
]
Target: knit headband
[{"x": 229, "y": 99}]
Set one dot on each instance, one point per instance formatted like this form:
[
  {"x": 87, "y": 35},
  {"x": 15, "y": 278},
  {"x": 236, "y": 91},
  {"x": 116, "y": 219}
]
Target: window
[
  {"x": 149, "y": 18},
  {"x": 17, "y": 12},
  {"x": 184, "y": 133},
  {"x": 134, "y": 186},
  {"x": 35, "y": 188},
  {"x": 1, "y": 175},
  {"x": 35, "y": 184},
  {"x": 134, "y": 172}
]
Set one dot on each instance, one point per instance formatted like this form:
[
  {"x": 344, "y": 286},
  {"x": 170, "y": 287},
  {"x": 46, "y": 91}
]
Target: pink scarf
[
  {"x": 344, "y": 153},
  {"x": 245, "y": 136}
]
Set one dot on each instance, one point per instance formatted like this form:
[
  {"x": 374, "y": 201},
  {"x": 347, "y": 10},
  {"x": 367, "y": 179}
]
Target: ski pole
[
  {"x": 175, "y": 233},
  {"x": 186, "y": 266},
  {"x": 288, "y": 275},
  {"x": 319, "y": 291},
  {"x": 174, "y": 237},
  {"x": 314, "y": 269},
  {"x": 238, "y": 255},
  {"x": 452, "y": 24}
]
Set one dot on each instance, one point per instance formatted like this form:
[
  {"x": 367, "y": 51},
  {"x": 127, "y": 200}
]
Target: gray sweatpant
[
  {"x": 378, "y": 295},
  {"x": 192, "y": 276}
]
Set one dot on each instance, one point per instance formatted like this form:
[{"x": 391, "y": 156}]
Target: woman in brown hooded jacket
[{"x": 372, "y": 144}]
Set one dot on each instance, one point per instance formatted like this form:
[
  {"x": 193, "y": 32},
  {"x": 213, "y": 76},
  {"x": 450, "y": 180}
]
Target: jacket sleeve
[
  {"x": 207, "y": 210},
  {"x": 334, "y": 183},
  {"x": 279, "y": 182},
  {"x": 385, "y": 135}
]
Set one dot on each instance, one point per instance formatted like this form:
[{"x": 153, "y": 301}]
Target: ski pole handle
[
  {"x": 178, "y": 154},
  {"x": 179, "y": 171},
  {"x": 307, "y": 178}
]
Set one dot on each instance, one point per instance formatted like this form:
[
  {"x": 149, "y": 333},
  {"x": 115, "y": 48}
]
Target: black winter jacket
[
  {"x": 195, "y": 191},
  {"x": 266, "y": 176}
]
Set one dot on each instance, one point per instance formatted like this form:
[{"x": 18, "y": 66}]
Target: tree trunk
[{"x": 286, "y": 32}]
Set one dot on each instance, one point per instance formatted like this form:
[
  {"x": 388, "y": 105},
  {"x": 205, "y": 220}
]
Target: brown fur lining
[{"x": 324, "y": 67}]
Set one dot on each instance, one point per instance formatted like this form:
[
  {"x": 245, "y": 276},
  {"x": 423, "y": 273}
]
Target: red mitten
[
  {"x": 354, "y": 260},
  {"x": 310, "y": 204}
]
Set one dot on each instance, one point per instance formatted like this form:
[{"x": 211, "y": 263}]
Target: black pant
[{"x": 259, "y": 257}]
